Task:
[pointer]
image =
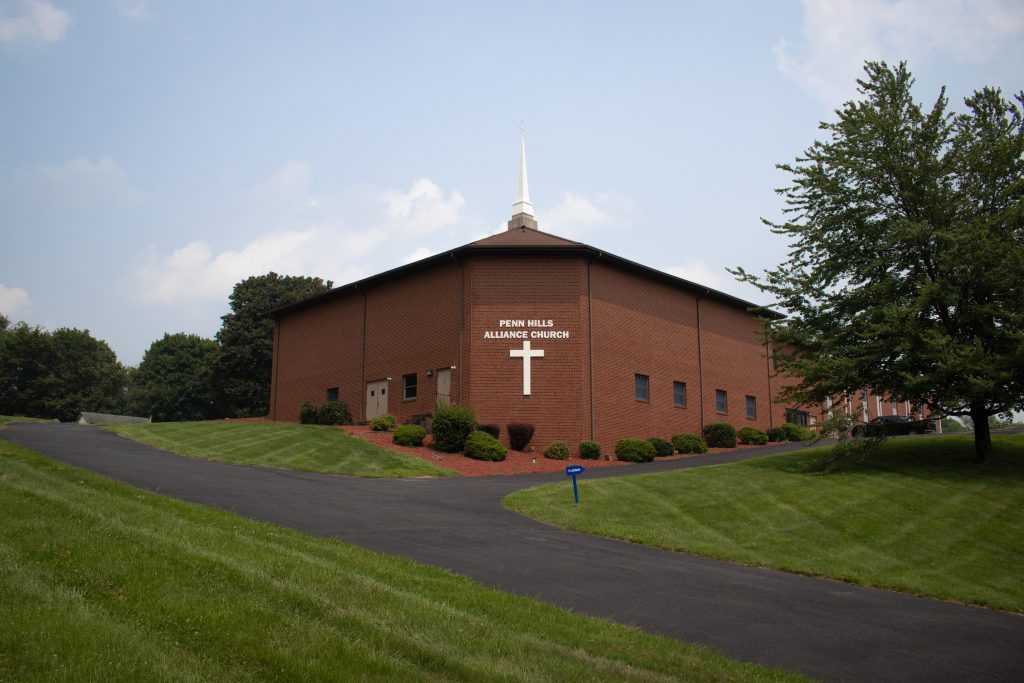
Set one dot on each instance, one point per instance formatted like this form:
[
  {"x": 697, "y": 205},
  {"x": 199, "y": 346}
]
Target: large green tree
[
  {"x": 906, "y": 265},
  {"x": 242, "y": 370},
  {"x": 173, "y": 381},
  {"x": 58, "y": 374}
]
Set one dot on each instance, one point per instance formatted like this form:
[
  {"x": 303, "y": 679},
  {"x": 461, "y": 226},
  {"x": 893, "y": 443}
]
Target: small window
[
  {"x": 409, "y": 386},
  {"x": 797, "y": 417},
  {"x": 752, "y": 407},
  {"x": 642, "y": 387},
  {"x": 332, "y": 394},
  {"x": 679, "y": 394},
  {"x": 721, "y": 401}
]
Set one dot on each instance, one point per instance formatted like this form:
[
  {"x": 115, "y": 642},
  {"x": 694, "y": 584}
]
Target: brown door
[{"x": 376, "y": 399}]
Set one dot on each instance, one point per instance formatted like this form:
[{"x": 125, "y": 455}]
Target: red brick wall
[{"x": 529, "y": 288}]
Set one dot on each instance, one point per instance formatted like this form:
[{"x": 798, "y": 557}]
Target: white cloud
[
  {"x": 78, "y": 182},
  {"x": 839, "y": 35},
  {"x": 12, "y": 300},
  {"x": 342, "y": 238},
  {"x": 135, "y": 9},
  {"x": 578, "y": 214},
  {"x": 32, "y": 22},
  {"x": 418, "y": 255},
  {"x": 698, "y": 271}
]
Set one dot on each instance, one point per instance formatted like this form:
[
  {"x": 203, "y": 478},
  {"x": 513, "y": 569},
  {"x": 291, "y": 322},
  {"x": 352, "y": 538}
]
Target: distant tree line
[{"x": 182, "y": 376}]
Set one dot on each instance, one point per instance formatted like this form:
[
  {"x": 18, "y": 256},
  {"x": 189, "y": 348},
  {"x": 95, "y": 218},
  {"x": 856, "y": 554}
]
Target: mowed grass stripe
[
  {"x": 304, "y": 448},
  {"x": 101, "y": 581},
  {"x": 919, "y": 517}
]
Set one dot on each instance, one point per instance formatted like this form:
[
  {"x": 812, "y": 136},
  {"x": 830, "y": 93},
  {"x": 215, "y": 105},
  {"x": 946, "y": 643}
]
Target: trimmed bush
[
  {"x": 720, "y": 435},
  {"x": 307, "y": 413},
  {"x": 409, "y": 435},
  {"x": 384, "y": 423},
  {"x": 795, "y": 432},
  {"x": 452, "y": 424},
  {"x": 634, "y": 450},
  {"x": 493, "y": 430},
  {"x": 330, "y": 413},
  {"x": 519, "y": 435},
  {"x": 752, "y": 435},
  {"x": 689, "y": 443},
  {"x": 662, "y": 447},
  {"x": 558, "y": 450},
  {"x": 482, "y": 446},
  {"x": 590, "y": 450},
  {"x": 777, "y": 434}
]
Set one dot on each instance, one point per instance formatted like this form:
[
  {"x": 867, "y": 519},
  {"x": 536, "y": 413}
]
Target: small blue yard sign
[{"x": 572, "y": 471}]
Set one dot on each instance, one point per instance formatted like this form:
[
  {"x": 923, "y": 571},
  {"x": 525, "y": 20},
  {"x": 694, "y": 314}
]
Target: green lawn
[
  {"x": 307, "y": 448},
  {"x": 917, "y": 518},
  {"x": 103, "y": 581},
  {"x": 4, "y": 419}
]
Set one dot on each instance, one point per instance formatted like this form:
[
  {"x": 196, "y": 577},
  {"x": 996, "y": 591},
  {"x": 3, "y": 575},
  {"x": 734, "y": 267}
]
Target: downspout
[
  {"x": 700, "y": 365},
  {"x": 590, "y": 348},
  {"x": 768, "y": 363},
  {"x": 462, "y": 320},
  {"x": 362, "y": 361}
]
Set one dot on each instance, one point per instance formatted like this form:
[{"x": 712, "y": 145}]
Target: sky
[{"x": 154, "y": 153}]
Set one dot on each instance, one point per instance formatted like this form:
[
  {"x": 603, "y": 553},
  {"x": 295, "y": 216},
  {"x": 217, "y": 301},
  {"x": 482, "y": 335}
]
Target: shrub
[
  {"x": 383, "y": 423},
  {"x": 720, "y": 435},
  {"x": 662, "y": 447},
  {"x": 634, "y": 450},
  {"x": 795, "y": 432},
  {"x": 493, "y": 430},
  {"x": 689, "y": 443},
  {"x": 333, "y": 413},
  {"x": 558, "y": 450},
  {"x": 482, "y": 446},
  {"x": 753, "y": 435},
  {"x": 409, "y": 435},
  {"x": 307, "y": 413},
  {"x": 452, "y": 424},
  {"x": 519, "y": 435},
  {"x": 590, "y": 450},
  {"x": 777, "y": 434}
]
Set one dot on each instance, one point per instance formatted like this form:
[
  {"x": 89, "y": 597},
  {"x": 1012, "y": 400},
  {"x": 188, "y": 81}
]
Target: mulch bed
[{"x": 515, "y": 463}]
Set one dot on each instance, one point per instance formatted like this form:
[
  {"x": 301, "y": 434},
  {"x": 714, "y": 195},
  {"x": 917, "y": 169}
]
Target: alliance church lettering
[{"x": 526, "y": 329}]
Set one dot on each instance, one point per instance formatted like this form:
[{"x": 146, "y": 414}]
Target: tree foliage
[
  {"x": 58, "y": 374},
  {"x": 906, "y": 267},
  {"x": 242, "y": 370},
  {"x": 173, "y": 381}
]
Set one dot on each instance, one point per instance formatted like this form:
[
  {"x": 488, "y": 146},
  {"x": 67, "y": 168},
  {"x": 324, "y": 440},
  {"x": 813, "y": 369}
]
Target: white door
[
  {"x": 444, "y": 385},
  {"x": 376, "y": 399}
]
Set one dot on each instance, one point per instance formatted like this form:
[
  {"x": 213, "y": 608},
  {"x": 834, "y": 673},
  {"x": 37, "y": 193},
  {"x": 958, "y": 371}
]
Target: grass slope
[
  {"x": 307, "y": 448},
  {"x": 103, "y": 581},
  {"x": 918, "y": 518},
  {"x": 4, "y": 419}
]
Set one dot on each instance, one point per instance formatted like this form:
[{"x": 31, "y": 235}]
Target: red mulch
[{"x": 515, "y": 463}]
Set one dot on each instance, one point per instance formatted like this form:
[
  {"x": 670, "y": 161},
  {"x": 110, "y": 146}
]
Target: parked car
[{"x": 894, "y": 425}]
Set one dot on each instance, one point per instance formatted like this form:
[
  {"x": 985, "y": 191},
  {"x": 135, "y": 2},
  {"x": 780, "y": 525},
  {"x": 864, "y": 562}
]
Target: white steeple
[
  {"x": 522, "y": 210},
  {"x": 523, "y": 203}
]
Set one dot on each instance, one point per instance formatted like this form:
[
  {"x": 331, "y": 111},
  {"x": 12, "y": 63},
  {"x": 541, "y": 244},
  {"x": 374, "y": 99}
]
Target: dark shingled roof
[{"x": 526, "y": 241}]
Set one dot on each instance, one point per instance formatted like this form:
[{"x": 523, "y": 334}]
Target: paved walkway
[{"x": 825, "y": 629}]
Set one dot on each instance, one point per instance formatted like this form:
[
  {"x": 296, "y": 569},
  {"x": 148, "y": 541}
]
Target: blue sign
[{"x": 572, "y": 471}]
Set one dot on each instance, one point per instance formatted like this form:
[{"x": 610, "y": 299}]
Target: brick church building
[{"x": 525, "y": 326}]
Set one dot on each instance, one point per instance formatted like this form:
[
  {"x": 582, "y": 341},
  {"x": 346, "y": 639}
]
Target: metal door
[
  {"x": 376, "y": 399},
  {"x": 444, "y": 385}
]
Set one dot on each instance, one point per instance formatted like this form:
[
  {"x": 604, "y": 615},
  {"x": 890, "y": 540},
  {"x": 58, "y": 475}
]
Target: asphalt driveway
[{"x": 822, "y": 628}]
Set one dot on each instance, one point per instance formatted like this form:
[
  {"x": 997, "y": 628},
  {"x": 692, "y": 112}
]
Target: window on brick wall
[
  {"x": 642, "y": 387},
  {"x": 332, "y": 394},
  {"x": 721, "y": 401},
  {"x": 752, "y": 407},
  {"x": 679, "y": 394},
  {"x": 409, "y": 386}
]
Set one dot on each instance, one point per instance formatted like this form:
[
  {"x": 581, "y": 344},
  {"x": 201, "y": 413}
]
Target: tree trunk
[{"x": 982, "y": 435}]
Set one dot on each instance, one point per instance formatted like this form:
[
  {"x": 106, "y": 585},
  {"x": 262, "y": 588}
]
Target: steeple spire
[{"x": 522, "y": 210}]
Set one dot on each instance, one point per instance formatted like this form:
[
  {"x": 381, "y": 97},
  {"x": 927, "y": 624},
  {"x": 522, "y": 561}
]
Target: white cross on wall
[{"x": 526, "y": 354}]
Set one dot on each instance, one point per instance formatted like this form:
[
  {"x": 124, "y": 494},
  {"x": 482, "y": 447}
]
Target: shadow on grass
[{"x": 940, "y": 457}]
